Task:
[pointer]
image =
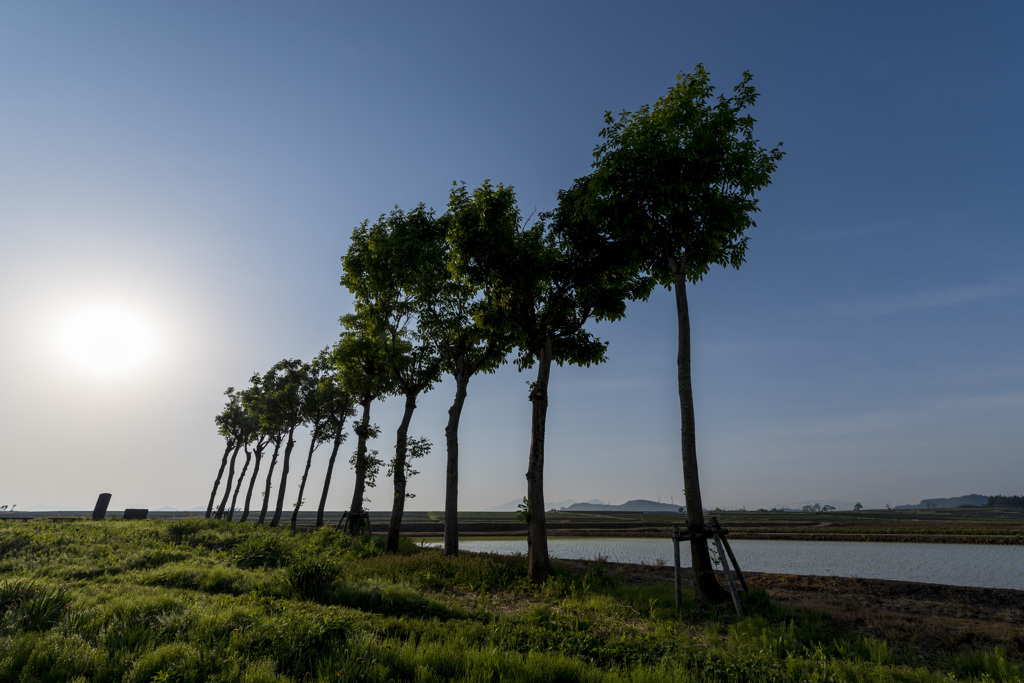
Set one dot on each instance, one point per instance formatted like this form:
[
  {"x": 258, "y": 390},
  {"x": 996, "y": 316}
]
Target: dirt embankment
[{"x": 929, "y": 621}]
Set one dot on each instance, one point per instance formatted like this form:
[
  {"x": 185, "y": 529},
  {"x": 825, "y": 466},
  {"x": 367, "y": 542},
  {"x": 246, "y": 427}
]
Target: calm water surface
[{"x": 992, "y": 566}]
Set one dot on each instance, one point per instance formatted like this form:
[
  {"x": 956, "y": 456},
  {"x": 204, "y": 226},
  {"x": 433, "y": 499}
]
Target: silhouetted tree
[
  {"x": 674, "y": 185},
  {"x": 449, "y": 311},
  {"x": 386, "y": 269},
  {"x": 285, "y": 394},
  {"x": 222, "y": 421},
  {"x": 549, "y": 280},
  {"x": 325, "y": 407},
  {"x": 232, "y": 422},
  {"x": 252, "y": 399},
  {"x": 279, "y": 416},
  {"x": 362, "y": 370}
]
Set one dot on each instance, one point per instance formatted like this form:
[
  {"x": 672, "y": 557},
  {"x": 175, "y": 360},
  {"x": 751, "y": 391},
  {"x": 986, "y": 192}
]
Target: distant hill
[
  {"x": 630, "y": 506},
  {"x": 513, "y": 505},
  {"x": 973, "y": 499},
  {"x": 837, "y": 504}
]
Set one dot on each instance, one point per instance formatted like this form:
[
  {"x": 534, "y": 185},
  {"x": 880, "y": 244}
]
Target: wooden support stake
[
  {"x": 728, "y": 550},
  {"x": 728, "y": 574},
  {"x": 679, "y": 574}
]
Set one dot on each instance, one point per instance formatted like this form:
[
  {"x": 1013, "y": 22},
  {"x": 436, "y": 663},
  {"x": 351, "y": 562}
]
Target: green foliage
[
  {"x": 312, "y": 578},
  {"x": 676, "y": 182},
  {"x": 196, "y": 616},
  {"x": 261, "y": 550},
  {"x": 178, "y": 530},
  {"x": 25, "y": 605}
]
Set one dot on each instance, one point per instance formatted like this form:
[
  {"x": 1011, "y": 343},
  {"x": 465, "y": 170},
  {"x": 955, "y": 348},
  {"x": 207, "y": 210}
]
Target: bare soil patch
[{"x": 929, "y": 621}]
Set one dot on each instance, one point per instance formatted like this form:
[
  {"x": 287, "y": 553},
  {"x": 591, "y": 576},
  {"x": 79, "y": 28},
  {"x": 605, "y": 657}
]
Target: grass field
[
  {"x": 197, "y": 600},
  {"x": 960, "y": 525}
]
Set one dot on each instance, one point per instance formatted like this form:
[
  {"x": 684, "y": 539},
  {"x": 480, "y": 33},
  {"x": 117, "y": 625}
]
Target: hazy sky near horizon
[{"x": 195, "y": 169}]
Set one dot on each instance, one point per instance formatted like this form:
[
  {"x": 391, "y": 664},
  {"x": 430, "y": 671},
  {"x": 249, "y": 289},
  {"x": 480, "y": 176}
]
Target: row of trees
[
  {"x": 671, "y": 193},
  {"x": 321, "y": 395}
]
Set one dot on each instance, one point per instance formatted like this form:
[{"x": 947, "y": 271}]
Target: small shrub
[
  {"x": 44, "y": 608},
  {"x": 11, "y": 543},
  {"x": 261, "y": 550},
  {"x": 11, "y": 592},
  {"x": 180, "y": 529},
  {"x": 311, "y": 579},
  {"x": 31, "y": 607}
]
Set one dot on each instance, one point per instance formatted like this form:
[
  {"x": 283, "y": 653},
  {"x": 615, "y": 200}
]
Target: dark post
[
  {"x": 100, "y": 511},
  {"x": 679, "y": 577}
]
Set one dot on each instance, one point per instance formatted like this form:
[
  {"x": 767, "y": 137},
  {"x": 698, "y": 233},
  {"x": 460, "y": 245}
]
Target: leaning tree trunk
[
  {"x": 705, "y": 583},
  {"x": 339, "y": 436},
  {"x": 313, "y": 443},
  {"x": 451, "y": 491},
  {"x": 401, "y": 455},
  {"x": 537, "y": 535},
  {"x": 231, "y": 477},
  {"x": 252, "y": 482},
  {"x": 238, "y": 486},
  {"x": 270, "y": 481},
  {"x": 220, "y": 473},
  {"x": 359, "y": 491},
  {"x": 284, "y": 477}
]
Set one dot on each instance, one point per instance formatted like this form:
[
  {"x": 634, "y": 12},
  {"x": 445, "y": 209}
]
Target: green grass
[{"x": 194, "y": 600}]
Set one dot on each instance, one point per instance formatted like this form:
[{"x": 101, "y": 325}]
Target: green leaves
[{"x": 679, "y": 178}]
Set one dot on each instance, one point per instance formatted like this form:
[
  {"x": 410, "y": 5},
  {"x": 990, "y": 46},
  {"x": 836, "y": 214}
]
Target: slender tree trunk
[
  {"x": 270, "y": 481},
  {"x": 231, "y": 477},
  {"x": 284, "y": 477},
  {"x": 359, "y": 492},
  {"x": 451, "y": 493},
  {"x": 313, "y": 444},
  {"x": 339, "y": 436},
  {"x": 220, "y": 473},
  {"x": 537, "y": 535},
  {"x": 238, "y": 486},
  {"x": 705, "y": 583},
  {"x": 401, "y": 453},
  {"x": 252, "y": 482}
]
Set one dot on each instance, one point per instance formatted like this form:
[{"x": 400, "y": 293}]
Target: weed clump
[
  {"x": 29, "y": 606},
  {"x": 312, "y": 578},
  {"x": 262, "y": 550},
  {"x": 178, "y": 530}
]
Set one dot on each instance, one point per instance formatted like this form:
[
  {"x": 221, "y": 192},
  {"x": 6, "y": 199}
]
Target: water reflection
[{"x": 993, "y": 566}]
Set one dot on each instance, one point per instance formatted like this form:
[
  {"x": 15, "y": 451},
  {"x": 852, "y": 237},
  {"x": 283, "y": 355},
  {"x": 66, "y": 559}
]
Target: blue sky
[{"x": 201, "y": 165}]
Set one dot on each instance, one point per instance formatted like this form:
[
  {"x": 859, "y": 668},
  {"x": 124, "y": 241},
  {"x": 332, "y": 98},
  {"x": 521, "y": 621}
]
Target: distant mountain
[
  {"x": 513, "y": 506},
  {"x": 630, "y": 506},
  {"x": 973, "y": 499},
  {"x": 837, "y": 504}
]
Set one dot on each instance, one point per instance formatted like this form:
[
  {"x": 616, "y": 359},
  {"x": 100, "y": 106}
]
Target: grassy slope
[{"x": 193, "y": 600}]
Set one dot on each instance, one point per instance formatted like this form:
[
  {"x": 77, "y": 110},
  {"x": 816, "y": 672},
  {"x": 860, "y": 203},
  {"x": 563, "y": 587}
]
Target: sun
[{"x": 107, "y": 338}]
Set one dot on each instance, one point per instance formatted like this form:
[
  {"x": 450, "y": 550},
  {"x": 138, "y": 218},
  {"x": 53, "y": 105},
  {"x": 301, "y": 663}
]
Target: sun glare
[{"x": 107, "y": 339}]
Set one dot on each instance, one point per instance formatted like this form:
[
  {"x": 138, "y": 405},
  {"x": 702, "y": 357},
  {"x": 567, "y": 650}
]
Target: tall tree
[
  {"x": 252, "y": 399},
  {"x": 325, "y": 407},
  {"x": 549, "y": 280},
  {"x": 279, "y": 416},
  {"x": 384, "y": 268},
  {"x": 222, "y": 421},
  {"x": 232, "y": 423},
  {"x": 249, "y": 433},
  {"x": 674, "y": 184},
  {"x": 362, "y": 370},
  {"x": 449, "y": 311},
  {"x": 286, "y": 399}
]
